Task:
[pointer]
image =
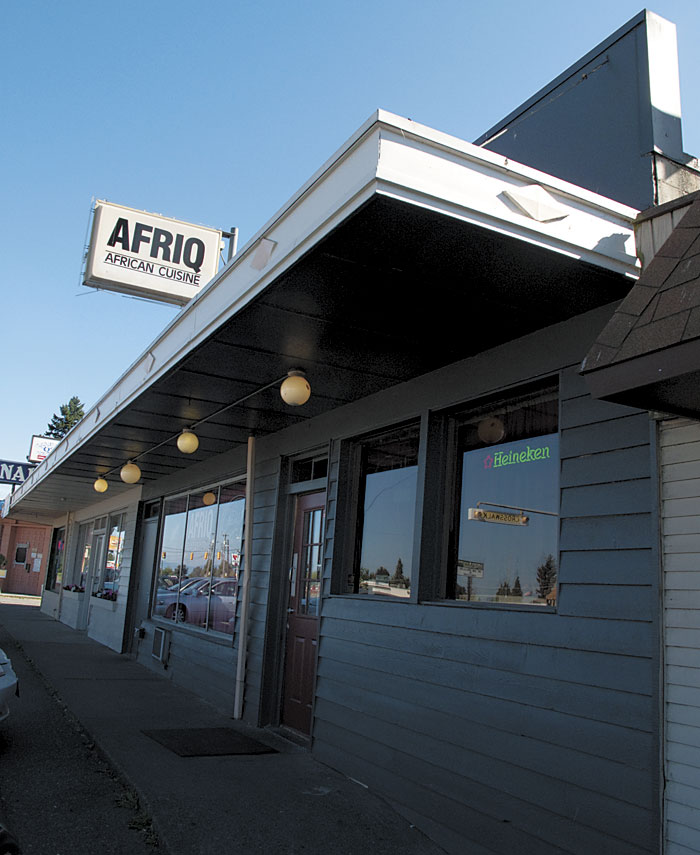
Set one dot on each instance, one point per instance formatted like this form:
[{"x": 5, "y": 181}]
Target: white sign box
[
  {"x": 40, "y": 448},
  {"x": 150, "y": 256}
]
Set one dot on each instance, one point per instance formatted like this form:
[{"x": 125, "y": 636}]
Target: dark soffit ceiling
[{"x": 394, "y": 292}]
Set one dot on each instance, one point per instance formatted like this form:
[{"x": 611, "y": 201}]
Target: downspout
[{"x": 247, "y": 569}]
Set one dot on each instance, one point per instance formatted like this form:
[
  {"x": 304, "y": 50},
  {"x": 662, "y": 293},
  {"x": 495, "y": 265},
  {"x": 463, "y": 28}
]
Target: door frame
[
  {"x": 270, "y": 711},
  {"x": 319, "y": 501}
]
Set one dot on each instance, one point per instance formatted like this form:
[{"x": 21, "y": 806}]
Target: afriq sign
[{"x": 148, "y": 255}]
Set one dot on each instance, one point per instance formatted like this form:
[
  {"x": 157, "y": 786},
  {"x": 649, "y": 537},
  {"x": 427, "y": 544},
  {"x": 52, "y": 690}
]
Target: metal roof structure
[{"x": 407, "y": 251}]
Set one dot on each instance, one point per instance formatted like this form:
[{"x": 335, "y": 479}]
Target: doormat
[{"x": 207, "y": 741}]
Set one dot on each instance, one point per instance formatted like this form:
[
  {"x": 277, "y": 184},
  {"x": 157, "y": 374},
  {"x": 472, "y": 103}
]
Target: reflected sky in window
[{"x": 525, "y": 475}]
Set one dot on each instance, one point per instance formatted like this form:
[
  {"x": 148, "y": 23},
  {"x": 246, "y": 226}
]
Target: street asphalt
[{"x": 284, "y": 802}]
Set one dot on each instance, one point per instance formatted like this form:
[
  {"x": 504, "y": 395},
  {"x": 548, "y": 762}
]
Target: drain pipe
[{"x": 247, "y": 570}]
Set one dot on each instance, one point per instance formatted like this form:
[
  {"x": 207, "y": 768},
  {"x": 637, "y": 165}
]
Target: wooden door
[
  {"x": 19, "y": 578},
  {"x": 303, "y": 612}
]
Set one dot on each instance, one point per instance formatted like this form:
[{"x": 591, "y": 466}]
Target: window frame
[{"x": 347, "y": 546}]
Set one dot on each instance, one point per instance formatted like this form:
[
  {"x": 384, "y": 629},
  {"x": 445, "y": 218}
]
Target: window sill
[
  {"x": 72, "y": 594},
  {"x": 501, "y": 607},
  {"x": 377, "y": 598},
  {"x": 220, "y": 638},
  {"x": 450, "y": 604}
]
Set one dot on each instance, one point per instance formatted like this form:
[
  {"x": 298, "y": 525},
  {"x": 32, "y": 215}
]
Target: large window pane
[
  {"x": 198, "y": 559},
  {"x": 508, "y": 504},
  {"x": 223, "y": 596},
  {"x": 201, "y": 546},
  {"x": 388, "y": 479}
]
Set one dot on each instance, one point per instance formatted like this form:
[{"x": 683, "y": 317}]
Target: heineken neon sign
[{"x": 497, "y": 459}]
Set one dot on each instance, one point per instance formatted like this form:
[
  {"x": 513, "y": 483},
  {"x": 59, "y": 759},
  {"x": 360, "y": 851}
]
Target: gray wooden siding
[
  {"x": 680, "y": 491},
  {"x": 495, "y": 730},
  {"x": 507, "y": 730}
]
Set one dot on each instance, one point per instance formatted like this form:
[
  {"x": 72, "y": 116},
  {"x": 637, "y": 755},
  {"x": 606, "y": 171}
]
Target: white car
[{"x": 9, "y": 685}]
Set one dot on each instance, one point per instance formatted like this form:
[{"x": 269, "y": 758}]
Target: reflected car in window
[
  {"x": 166, "y": 601},
  {"x": 219, "y": 595}
]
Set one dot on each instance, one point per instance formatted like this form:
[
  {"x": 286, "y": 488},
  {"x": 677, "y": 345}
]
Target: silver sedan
[{"x": 9, "y": 686}]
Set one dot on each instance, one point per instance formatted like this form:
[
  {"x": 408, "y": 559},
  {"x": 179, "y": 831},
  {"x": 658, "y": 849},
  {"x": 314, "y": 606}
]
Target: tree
[
  {"x": 71, "y": 414},
  {"x": 546, "y": 577},
  {"x": 516, "y": 590},
  {"x": 504, "y": 589}
]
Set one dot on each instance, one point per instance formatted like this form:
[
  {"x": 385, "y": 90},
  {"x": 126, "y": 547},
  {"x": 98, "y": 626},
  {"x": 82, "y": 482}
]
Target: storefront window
[
  {"x": 78, "y": 574},
  {"x": 507, "y": 508},
  {"x": 54, "y": 574},
  {"x": 107, "y": 582},
  {"x": 201, "y": 544},
  {"x": 387, "y": 507}
]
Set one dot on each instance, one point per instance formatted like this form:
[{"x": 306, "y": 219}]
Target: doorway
[
  {"x": 303, "y": 611},
  {"x": 92, "y": 560}
]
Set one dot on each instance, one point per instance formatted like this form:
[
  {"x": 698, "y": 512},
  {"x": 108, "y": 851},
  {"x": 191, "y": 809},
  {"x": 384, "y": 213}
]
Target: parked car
[
  {"x": 9, "y": 685},
  {"x": 166, "y": 601},
  {"x": 222, "y": 604},
  {"x": 189, "y": 604}
]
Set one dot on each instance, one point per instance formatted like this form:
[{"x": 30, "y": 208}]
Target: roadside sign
[{"x": 470, "y": 568}]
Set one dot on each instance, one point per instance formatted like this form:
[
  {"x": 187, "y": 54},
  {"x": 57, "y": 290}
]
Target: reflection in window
[
  {"x": 201, "y": 545},
  {"x": 387, "y": 504},
  {"x": 54, "y": 574},
  {"x": 107, "y": 586},
  {"x": 311, "y": 546},
  {"x": 508, "y": 503}
]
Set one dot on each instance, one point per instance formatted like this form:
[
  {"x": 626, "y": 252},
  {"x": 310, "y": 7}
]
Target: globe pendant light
[
  {"x": 100, "y": 485},
  {"x": 295, "y": 389},
  {"x": 130, "y": 473},
  {"x": 188, "y": 442}
]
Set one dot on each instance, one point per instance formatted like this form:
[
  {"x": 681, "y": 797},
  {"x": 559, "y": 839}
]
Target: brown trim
[{"x": 650, "y": 369}]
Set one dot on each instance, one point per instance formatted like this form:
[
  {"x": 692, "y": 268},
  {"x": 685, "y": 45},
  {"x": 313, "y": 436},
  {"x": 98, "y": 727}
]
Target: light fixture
[
  {"x": 100, "y": 485},
  {"x": 130, "y": 473},
  {"x": 295, "y": 389},
  {"x": 209, "y": 498},
  {"x": 188, "y": 441},
  {"x": 491, "y": 430}
]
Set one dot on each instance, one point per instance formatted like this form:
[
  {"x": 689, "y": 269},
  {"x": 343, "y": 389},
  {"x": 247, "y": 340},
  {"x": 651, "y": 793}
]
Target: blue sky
[{"x": 216, "y": 113}]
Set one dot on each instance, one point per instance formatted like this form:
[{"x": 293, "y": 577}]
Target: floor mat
[{"x": 207, "y": 741}]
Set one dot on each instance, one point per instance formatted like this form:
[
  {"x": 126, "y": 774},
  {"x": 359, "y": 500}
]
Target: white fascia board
[
  {"x": 332, "y": 194},
  {"x": 469, "y": 183},
  {"x": 388, "y": 154}
]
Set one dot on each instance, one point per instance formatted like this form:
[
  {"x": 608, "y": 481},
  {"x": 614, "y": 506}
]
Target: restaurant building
[{"x": 405, "y": 532}]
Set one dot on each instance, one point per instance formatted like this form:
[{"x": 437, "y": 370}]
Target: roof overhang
[
  {"x": 408, "y": 250},
  {"x": 648, "y": 355}
]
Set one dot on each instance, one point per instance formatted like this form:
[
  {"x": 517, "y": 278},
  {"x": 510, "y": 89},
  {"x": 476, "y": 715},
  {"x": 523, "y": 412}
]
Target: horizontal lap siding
[
  {"x": 680, "y": 491},
  {"x": 507, "y": 730}
]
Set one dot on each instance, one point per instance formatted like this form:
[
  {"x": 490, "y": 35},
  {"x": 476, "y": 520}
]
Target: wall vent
[{"x": 161, "y": 645}]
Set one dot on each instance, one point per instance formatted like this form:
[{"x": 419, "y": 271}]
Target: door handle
[{"x": 290, "y": 611}]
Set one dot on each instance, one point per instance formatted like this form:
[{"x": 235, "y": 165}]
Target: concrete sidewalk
[{"x": 267, "y": 803}]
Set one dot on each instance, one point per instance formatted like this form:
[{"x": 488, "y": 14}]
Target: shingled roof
[{"x": 648, "y": 355}]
